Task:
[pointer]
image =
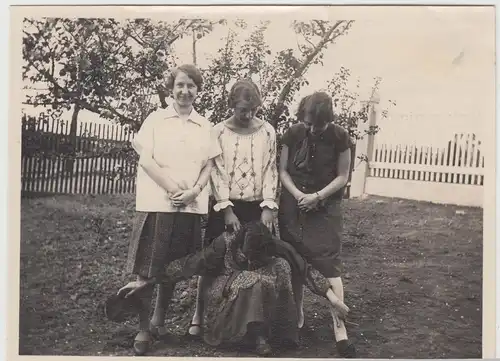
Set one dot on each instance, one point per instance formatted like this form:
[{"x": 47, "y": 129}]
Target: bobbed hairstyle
[
  {"x": 252, "y": 242},
  {"x": 190, "y": 70},
  {"x": 319, "y": 106},
  {"x": 246, "y": 91}
]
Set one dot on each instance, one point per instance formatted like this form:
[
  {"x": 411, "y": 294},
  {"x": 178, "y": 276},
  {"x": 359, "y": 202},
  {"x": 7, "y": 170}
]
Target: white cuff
[
  {"x": 223, "y": 205},
  {"x": 269, "y": 203}
]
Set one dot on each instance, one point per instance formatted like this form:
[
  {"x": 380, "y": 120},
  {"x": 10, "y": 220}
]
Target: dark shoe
[
  {"x": 141, "y": 347},
  {"x": 346, "y": 349},
  {"x": 263, "y": 349}
]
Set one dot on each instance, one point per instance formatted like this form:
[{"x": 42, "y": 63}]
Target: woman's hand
[
  {"x": 341, "y": 310},
  {"x": 184, "y": 197},
  {"x": 232, "y": 222},
  {"x": 299, "y": 196},
  {"x": 135, "y": 286},
  {"x": 309, "y": 202},
  {"x": 267, "y": 217}
]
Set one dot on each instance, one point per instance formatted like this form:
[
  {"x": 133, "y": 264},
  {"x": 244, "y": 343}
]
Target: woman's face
[
  {"x": 313, "y": 122},
  {"x": 185, "y": 90},
  {"x": 244, "y": 113}
]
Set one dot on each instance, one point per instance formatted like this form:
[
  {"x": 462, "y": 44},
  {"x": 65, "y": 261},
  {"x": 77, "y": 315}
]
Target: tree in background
[
  {"x": 117, "y": 69},
  {"x": 279, "y": 76},
  {"x": 106, "y": 67}
]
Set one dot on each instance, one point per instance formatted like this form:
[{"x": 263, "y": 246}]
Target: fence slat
[
  {"x": 114, "y": 161},
  {"x": 107, "y": 164},
  {"x": 427, "y": 158},
  {"x": 85, "y": 161},
  {"x": 52, "y": 146},
  {"x": 405, "y": 161},
  {"x": 131, "y": 169},
  {"x": 42, "y": 173},
  {"x": 473, "y": 158},
  {"x": 98, "y": 163},
  {"x": 37, "y": 160},
  {"x": 466, "y": 156}
]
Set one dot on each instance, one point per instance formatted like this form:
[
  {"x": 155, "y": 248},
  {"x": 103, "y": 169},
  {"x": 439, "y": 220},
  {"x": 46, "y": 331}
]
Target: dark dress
[
  {"x": 239, "y": 297},
  {"x": 312, "y": 165}
]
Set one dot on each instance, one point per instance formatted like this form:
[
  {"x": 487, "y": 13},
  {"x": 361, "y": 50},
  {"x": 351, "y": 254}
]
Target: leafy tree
[
  {"x": 109, "y": 68},
  {"x": 279, "y": 76}
]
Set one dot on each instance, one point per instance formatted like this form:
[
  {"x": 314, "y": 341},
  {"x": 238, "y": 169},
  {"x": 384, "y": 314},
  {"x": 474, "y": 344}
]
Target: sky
[{"x": 436, "y": 63}]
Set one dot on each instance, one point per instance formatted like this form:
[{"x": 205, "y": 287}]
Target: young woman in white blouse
[
  {"x": 176, "y": 152},
  {"x": 244, "y": 180}
]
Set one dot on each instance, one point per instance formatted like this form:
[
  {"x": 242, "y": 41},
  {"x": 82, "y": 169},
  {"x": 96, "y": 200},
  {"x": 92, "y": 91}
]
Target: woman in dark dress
[
  {"x": 314, "y": 169},
  {"x": 251, "y": 297}
]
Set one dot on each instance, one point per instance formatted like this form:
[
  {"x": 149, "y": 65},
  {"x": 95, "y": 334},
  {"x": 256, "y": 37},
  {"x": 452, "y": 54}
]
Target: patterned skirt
[
  {"x": 316, "y": 235},
  {"x": 262, "y": 298},
  {"x": 159, "y": 238}
]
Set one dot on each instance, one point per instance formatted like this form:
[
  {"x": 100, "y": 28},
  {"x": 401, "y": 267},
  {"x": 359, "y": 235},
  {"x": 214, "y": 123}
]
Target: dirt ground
[{"x": 413, "y": 281}]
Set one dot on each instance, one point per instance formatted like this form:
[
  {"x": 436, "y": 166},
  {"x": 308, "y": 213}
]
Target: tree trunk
[{"x": 69, "y": 164}]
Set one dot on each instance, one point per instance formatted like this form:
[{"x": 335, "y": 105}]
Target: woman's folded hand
[
  {"x": 340, "y": 307},
  {"x": 135, "y": 286}
]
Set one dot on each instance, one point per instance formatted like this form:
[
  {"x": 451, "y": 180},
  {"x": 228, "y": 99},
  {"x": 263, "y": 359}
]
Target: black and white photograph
[{"x": 253, "y": 181}]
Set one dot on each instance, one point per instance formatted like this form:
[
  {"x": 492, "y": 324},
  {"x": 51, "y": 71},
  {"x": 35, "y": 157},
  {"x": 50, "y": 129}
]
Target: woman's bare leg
[
  {"x": 145, "y": 296},
  {"x": 298, "y": 294},
  {"x": 338, "y": 325},
  {"x": 201, "y": 290},
  {"x": 163, "y": 297}
]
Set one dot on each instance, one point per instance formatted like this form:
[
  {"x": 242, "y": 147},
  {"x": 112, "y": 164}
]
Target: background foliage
[{"x": 117, "y": 70}]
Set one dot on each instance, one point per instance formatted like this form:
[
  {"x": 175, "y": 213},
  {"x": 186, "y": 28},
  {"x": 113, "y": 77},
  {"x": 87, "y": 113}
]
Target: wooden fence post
[{"x": 364, "y": 146}]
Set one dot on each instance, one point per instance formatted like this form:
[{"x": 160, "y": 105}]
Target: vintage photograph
[{"x": 282, "y": 181}]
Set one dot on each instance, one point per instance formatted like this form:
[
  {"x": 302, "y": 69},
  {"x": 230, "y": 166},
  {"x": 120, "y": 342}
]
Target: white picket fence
[{"x": 451, "y": 172}]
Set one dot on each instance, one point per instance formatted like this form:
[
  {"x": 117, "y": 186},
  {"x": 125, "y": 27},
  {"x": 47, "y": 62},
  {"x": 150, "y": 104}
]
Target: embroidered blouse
[{"x": 246, "y": 170}]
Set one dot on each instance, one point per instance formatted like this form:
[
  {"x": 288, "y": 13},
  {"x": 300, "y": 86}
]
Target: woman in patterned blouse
[
  {"x": 251, "y": 297},
  {"x": 245, "y": 177}
]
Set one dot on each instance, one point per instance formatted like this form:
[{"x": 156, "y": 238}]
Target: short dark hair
[
  {"x": 246, "y": 90},
  {"x": 252, "y": 242},
  {"x": 319, "y": 105},
  {"x": 191, "y": 71}
]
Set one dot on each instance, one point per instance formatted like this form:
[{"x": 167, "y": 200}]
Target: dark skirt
[
  {"x": 159, "y": 238},
  {"x": 245, "y": 211},
  {"x": 316, "y": 235}
]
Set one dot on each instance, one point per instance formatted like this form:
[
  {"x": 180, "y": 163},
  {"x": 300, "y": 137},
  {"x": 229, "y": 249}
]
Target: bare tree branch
[{"x": 300, "y": 70}]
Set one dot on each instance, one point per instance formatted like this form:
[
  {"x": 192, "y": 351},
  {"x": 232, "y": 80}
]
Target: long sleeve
[
  {"x": 300, "y": 268},
  {"x": 200, "y": 263},
  {"x": 270, "y": 173},
  {"x": 219, "y": 179}
]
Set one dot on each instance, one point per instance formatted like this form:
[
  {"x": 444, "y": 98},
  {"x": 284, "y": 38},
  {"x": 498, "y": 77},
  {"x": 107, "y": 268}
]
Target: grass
[{"x": 413, "y": 281}]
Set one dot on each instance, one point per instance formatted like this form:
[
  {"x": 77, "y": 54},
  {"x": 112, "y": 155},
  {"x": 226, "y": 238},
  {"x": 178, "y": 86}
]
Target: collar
[{"x": 194, "y": 117}]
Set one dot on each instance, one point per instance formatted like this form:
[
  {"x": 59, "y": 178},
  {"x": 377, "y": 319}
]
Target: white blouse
[
  {"x": 181, "y": 148},
  {"x": 246, "y": 170}
]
